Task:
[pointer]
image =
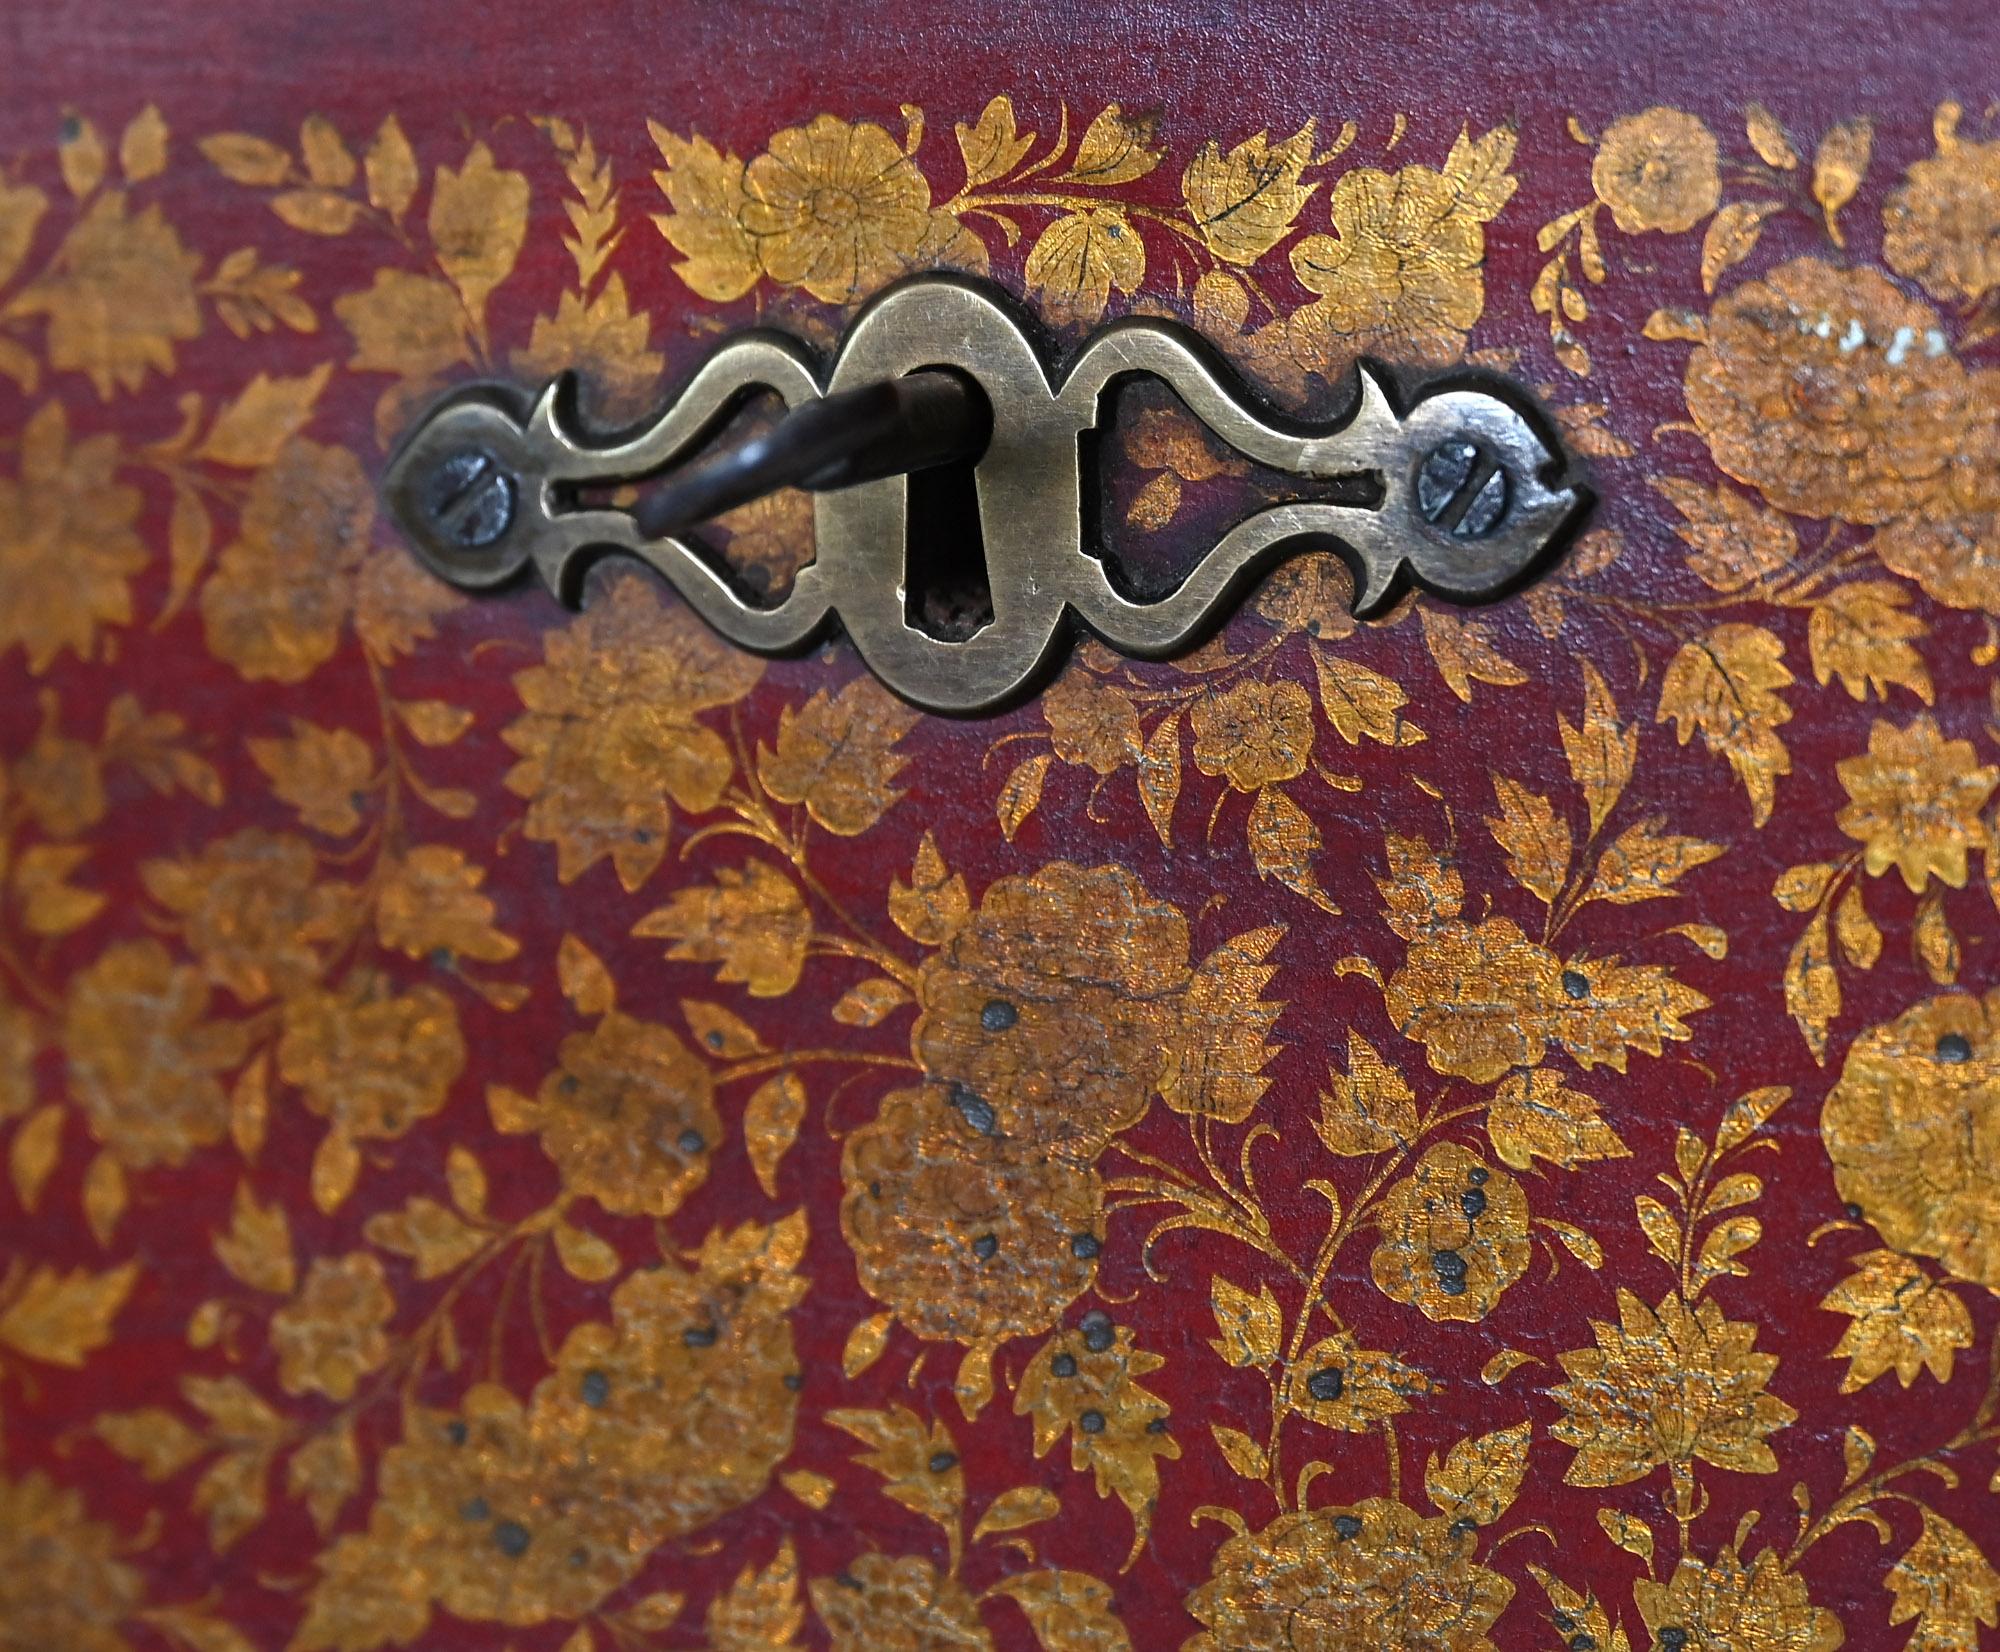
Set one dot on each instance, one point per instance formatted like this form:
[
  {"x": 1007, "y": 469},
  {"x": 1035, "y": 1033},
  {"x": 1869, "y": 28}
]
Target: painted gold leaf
[
  {"x": 1732, "y": 236},
  {"x": 1727, "y": 686},
  {"x": 323, "y": 774},
  {"x": 1252, "y": 1327},
  {"x": 244, "y": 158},
  {"x": 1284, "y": 844},
  {"x": 59, "y": 1318},
  {"x": 1535, "y": 1115},
  {"x": 1768, "y": 138},
  {"x": 1367, "y": 1109},
  {"x": 329, "y": 162},
  {"x": 1242, "y": 1453},
  {"x": 390, "y": 167},
  {"x": 1536, "y": 839},
  {"x": 1644, "y": 863},
  {"x": 1946, "y": 1584},
  {"x": 704, "y": 189},
  {"x": 1601, "y": 750},
  {"x": 584, "y": 979},
  {"x": 478, "y": 222},
  {"x": 1069, "y": 1611},
  {"x": 918, "y": 1465},
  {"x": 932, "y": 906},
  {"x": 1463, "y": 655},
  {"x": 761, "y": 1611},
  {"x": 1839, "y": 165},
  {"x": 1863, "y": 633},
  {"x": 771, "y": 1123},
  {"x": 1736, "y": 541},
  {"x": 837, "y": 756},
  {"x": 1116, "y": 149},
  {"x": 751, "y": 921},
  {"x": 142, "y": 150},
  {"x": 1079, "y": 260},
  {"x": 1160, "y": 776},
  {"x": 257, "y": 1249},
  {"x": 1245, "y": 202},
  {"x": 991, "y": 147},
  {"x": 253, "y": 428},
  {"x": 1021, "y": 793},
  {"x": 1480, "y": 1478}
]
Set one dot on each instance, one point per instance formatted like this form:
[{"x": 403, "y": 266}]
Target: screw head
[
  {"x": 469, "y": 499},
  {"x": 1462, "y": 489}
]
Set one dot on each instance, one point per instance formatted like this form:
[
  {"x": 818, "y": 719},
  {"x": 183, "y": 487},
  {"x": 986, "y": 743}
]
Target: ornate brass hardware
[{"x": 1461, "y": 492}]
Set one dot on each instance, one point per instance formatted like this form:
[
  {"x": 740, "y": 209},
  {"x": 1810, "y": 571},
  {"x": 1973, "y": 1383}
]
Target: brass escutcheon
[{"x": 1470, "y": 493}]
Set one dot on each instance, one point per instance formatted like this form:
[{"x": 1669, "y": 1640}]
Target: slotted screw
[
  {"x": 1461, "y": 489},
  {"x": 469, "y": 499}
]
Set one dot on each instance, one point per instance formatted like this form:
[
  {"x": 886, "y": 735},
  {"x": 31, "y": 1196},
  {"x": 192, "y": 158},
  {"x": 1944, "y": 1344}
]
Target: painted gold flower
[
  {"x": 284, "y": 587},
  {"x": 1092, "y": 723},
  {"x": 1476, "y": 998},
  {"x": 690, "y": 1394},
  {"x": 835, "y": 208},
  {"x": 489, "y": 1515},
  {"x": 967, "y": 1236},
  {"x": 371, "y": 1059},
  {"x": 1255, "y": 734},
  {"x": 1050, "y": 1010},
  {"x": 1831, "y": 392},
  {"x": 143, "y": 1056},
  {"x": 902, "y": 1603},
  {"x": 1668, "y": 1385},
  {"x": 118, "y": 295},
  {"x": 333, "y": 1333},
  {"x": 1915, "y": 800},
  {"x": 629, "y": 1119},
  {"x": 648, "y": 1427},
  {"x": 255, "y": 914},
  {"x": 1657, "y": 170},
  {"x": 61, "y": 782},
  {"x": 67, "y": 545},
  {"x": 1454, "y": 1236},
  {"x": 609, "y": 739},
  {"x": 1399, "y": 278},
  {"x": 61, "y": 1581},
  {"x": 1941, "y": 227},
  {"x": 1372, "y": 1576},
  {"x": 1726, "y": 1606},
  {"x": 1912, "y": 1128}
]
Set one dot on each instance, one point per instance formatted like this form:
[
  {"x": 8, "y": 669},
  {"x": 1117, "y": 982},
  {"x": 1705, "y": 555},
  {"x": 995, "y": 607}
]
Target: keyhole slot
[{"x": 947, "y": 588}]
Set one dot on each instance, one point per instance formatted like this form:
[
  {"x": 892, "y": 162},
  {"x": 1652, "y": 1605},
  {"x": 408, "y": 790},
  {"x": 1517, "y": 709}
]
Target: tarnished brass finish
[{"x": 1468, "y": 496}]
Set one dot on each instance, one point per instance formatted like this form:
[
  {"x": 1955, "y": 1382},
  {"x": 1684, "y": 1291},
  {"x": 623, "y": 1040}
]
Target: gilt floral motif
[{"x": 1425, "y": 1134}]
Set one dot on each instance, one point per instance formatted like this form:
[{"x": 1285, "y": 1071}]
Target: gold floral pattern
[
  {"x": 1656, "y": 170},
  {"x": 1376, "y": 1574},
  {"x": 1050, "y": 1008},
  {"x": 1915, "y": 802},
  {"x": 67, "y": 542},
  {"x": 1247, "y": 1110},
  {"x": 605, "y": 753},
  {"x": 1907, "y": 1126},
  {"x": 332, "y": 1335},
  {"x": 63, "y": 1584}
]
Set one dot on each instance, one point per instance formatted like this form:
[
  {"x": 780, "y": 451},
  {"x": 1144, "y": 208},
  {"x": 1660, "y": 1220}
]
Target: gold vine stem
[{"x": 1848, "y": 1504}]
